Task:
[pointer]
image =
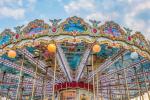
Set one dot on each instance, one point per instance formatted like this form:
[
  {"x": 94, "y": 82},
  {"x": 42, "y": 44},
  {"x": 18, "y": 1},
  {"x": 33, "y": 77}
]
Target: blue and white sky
[{"x": 134, "y": 14}]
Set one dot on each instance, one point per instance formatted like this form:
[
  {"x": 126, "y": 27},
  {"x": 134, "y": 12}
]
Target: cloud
[
  {"x": 127, "y": 13},
  {"x": 14, "y": 13},
  {"x": 15, "y": 9},
  {"x": 132, "y": 20},
  {"x": 140, "y": 7},
  {"x": 102, "y": 16},
  {"x": 31, "y": 4},
  {"x": 75, "y": 6},
  {"x": 32, "y": 1},
  {"x": 11, "y": 2}
]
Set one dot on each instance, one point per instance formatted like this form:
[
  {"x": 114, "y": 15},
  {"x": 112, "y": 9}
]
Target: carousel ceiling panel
[{"x": 73, "y": 53}]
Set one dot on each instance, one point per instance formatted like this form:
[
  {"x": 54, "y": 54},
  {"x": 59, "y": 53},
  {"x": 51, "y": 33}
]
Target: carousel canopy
[{"x": 40, "y": 56}]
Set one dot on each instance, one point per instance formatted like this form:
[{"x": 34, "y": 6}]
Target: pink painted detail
[
  {"x": 74, "y": 33},
  {"x": 129, "y": 38},
  {"x": 54, "y": 29},
  {"x": 46, "y": 54},
  {"x": 94, "y": 30},
  {"x": 17, "y": 36}
]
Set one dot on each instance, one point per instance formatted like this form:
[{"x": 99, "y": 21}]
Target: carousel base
[
  {"x": 74, "y": 91},
  {"x": 75, "y": 94}
]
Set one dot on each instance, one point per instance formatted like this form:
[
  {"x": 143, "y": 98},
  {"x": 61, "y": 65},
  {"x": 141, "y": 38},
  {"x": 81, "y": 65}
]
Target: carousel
[{"x": 73, "y": 59}]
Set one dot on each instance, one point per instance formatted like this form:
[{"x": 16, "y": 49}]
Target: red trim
[{"x": 73, "y": 85}]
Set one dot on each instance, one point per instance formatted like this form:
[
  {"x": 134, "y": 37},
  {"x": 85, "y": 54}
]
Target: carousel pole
[
  {"x": 43, "y": 88},
  {"x": 20, "y": 78},
  {"x": 87, "y": 78},
  {"x": 96, "y": 48},
  {"x": 126, "y": 82},
  {"x": 146, "y": 85},
  {"x": 125, "y": 92},
  {"x": 22, "y": 89},
  {"x": 119, "y": 84},
  {"x": 137, "y": 82},
  {"x": 97, "y": 86},
  {"x": 8, "y": 93},
  {"x": 79, "y": 95},
  {"x": 33, "y": 87},
  {"x": 93, "y": 78},
  {"x": 110, "y": 96},
  {"x": 3, "y": 78},
  {"x": 107, "y": 93},
  {"x": 53, "y": 49},
  {"x": 44, "y": 83},
  {"x": 101, "y": 90},
  {"x": 53, "y": 96},
  {"x": 145, "y": 80},
  {"x": 1, "y": 81}
]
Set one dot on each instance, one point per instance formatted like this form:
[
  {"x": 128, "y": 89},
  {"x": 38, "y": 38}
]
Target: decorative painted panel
[
  {"x": 36, "y": 27},
  {"x": 6, "y": 37},
  {"x": 139, "y": 40},
  {"x": 74, "y": 24}
]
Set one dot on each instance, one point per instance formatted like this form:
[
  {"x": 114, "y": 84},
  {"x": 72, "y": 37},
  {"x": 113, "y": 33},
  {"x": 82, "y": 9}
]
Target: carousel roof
[{"x": 121, "y": 67}]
